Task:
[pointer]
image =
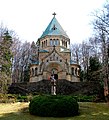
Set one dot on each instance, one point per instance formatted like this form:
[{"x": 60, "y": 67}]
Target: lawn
[{"x": 88, "y": 111}]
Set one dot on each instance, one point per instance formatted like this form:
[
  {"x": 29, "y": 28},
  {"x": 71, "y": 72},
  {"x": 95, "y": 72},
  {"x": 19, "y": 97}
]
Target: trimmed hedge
[{"x": 53, "y": 106}]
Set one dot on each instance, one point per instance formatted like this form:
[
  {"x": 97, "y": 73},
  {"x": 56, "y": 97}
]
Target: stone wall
[{"x": 63, "y": 87}]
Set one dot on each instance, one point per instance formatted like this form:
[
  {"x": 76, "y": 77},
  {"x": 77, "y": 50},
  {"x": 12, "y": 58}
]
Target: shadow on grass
[{"x": 23, "y": 114}]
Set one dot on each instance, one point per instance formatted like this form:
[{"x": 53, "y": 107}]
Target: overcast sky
[{"x": 29, "y": 18}]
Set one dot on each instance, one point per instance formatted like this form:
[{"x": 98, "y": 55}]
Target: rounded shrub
[{"x": 53, "y": 106}]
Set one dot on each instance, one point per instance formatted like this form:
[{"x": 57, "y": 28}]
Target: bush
[
  {"x": 26, "y": 98},
  {"x": 22, "y": 98},
  {"x": 53, "y": 106}
]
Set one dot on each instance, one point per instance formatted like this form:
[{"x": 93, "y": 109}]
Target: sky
[{"x": 29, "y": 18}]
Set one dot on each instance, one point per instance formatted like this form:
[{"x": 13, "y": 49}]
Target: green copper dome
[{"x": 54, "y": 28}]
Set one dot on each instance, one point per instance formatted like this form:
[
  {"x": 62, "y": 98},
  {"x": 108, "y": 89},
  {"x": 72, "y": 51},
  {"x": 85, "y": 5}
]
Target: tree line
[
  {"x": 93, "y": 54},
  {"x": 14, "y": 58}
]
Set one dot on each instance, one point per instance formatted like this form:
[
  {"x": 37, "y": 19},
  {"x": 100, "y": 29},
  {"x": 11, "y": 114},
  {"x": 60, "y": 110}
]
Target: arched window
[
  {"x": 51, "y": 44},
  {"x": 66, "y": 44},
  {"x": 32, "y": 72},
  {"x": 54, "y": 57},
  {"x": 72, "y": 70},
  {"x": 36, "y": 71},
  {"x": 56, "y": 42}
]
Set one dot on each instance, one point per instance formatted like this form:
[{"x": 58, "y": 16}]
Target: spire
[{"x": 54, "y": 28}]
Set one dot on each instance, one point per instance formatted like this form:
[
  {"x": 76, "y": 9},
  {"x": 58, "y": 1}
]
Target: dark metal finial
[{"x": 54, "y": 14}]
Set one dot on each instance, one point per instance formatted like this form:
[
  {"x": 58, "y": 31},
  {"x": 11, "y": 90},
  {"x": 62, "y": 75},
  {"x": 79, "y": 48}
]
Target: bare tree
[
  {"x": 81, "y": 55},
  {"x": 76, "y": 52},
  {"x": 101, "y": 26},
  {"x": 20, "y": 60}
]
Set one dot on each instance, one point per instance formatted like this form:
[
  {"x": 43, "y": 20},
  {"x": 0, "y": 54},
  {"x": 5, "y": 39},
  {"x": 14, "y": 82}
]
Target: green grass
[{"x": 88, "y": 111}]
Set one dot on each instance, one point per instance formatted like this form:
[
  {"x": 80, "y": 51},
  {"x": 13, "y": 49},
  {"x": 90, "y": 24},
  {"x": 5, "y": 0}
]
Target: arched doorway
[
  {"x": 54, "y": 68},
  {"x": 55, "y": 73},
  {"x": 56, "y": 76}
]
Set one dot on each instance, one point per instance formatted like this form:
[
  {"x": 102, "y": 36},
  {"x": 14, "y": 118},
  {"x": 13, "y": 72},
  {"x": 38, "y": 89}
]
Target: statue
[{"x": 53, "y": 85}]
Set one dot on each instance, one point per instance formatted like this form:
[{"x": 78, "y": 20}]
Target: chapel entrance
[
  {"x": 56, "y": 76},
  {"x": 55, "y": 73}
]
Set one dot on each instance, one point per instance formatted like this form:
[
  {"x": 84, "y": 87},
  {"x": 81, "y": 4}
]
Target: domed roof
[{"x": 54, "y": 28}]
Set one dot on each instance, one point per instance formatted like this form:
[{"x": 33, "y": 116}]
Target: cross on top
[{"x": 54, "y": 14}]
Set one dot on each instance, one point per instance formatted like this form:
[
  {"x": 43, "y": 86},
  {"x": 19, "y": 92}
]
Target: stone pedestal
[{"x": 53, "y": 90}]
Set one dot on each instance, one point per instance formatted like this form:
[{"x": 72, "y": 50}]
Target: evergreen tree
[
  {"x": 27, "y": 74},
  {"x": 5, "y": 61},
  {"x": 7, "y": 54},
  {"x": 94, "y": 69},
  {"x": 94, "y": 64}
]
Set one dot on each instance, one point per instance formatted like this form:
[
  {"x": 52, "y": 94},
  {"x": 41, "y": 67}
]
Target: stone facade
[{"x": 51, "y": 56}]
